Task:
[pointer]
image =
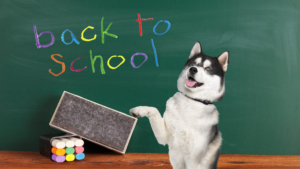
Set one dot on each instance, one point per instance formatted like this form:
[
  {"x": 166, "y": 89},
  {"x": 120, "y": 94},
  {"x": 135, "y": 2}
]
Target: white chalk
[
  {"x": 78, "y": 142},
  {"x": 58, "y": 143},
  {"x": 69, "y": 143}
]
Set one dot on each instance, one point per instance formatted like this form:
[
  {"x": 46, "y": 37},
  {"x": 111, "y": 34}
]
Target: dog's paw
[{"x": 140, "y": 111}]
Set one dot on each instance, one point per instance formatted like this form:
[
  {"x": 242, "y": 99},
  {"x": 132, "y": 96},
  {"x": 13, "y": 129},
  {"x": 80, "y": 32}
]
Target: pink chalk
[{"x": 79, "y": 149}]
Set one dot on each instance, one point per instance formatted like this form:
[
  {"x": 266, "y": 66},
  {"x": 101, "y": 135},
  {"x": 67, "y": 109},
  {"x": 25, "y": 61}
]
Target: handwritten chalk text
[{"x": 103, "y": 34}]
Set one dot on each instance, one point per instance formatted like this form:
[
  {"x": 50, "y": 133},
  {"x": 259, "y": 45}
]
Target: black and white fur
[{"x": 189, "y": 124}]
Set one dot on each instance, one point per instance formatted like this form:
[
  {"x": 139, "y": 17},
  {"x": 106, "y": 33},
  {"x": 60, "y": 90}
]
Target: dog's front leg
[{"x": 156, "y": 121}]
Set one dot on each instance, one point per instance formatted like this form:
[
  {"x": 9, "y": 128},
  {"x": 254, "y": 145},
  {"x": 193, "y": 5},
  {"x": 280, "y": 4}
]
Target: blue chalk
[{"x": 80, "y": 156}]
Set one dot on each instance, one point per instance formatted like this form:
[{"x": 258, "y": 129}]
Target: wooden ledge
[{"x": 20, "y": 159}]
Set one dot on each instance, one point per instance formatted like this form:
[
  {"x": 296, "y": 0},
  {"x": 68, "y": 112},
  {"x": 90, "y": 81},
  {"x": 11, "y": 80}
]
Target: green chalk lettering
[
  {"x": 105, "y": 32},
  {"x": 93, "y": 60}
]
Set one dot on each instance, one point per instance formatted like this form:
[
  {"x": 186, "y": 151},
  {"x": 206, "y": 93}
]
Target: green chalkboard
[{"x": 260, "y": 111}]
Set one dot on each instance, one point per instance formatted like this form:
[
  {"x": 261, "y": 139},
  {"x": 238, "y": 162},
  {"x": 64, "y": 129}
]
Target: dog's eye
[
  {"x": 208, "y": 69},
  {"x": 194, "y": 64}
]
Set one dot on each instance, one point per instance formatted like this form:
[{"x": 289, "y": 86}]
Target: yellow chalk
[{"x": 70, "y": 157}]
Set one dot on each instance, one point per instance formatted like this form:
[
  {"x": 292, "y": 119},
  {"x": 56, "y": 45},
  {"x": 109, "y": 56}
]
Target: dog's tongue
[{"x": 190, "y": 83}]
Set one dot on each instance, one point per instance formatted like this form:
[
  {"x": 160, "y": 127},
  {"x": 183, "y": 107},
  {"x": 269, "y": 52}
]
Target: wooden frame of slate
[{"x": 93, "y": 122}]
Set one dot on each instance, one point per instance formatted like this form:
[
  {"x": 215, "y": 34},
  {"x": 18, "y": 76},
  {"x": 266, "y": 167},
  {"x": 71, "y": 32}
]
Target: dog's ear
[
  {"x": 224, "y": 60},
  {"x": 196, "y": 49}
]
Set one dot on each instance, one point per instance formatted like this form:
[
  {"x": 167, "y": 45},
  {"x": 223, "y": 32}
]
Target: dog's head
[{"x": 203, "y": 76}]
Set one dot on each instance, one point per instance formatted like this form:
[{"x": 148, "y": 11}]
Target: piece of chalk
[
  {"x": 54, "y": 142},
  {"x": 70, "y": 150},
  {"x": 53, "y": 150},
  {"x": 78, "y": 142},
  {"x": 60, "y": 159},
  {"x": 58, "y": 143},
  {"x": 79, "y": 149},
  {"x": 60, "y": 152},
  {"x": 53, "y": 157},
  {"x": 69, "y": 143},
  {"x": 80, "y": 156},
  {"x": 70, "y": 157},
  {"x": 57, "y": 151}
]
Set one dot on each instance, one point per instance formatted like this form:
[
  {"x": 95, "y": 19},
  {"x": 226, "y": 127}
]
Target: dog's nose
[{"x": 193, "y": 70}]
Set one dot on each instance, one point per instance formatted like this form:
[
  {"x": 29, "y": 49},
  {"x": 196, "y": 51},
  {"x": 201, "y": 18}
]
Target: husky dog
[{"x": 189, "y": 124}]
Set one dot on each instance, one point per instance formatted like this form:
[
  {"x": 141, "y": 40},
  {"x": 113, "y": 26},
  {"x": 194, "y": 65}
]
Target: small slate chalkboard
[{"x": 93, "y": 122}]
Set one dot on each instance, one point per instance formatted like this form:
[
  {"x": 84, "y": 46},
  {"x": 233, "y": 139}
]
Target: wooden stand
[{"x": 20, "y": 159}]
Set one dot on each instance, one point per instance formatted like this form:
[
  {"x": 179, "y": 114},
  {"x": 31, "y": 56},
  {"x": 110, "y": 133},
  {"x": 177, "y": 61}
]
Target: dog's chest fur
[{"x": 189, "y": 123}]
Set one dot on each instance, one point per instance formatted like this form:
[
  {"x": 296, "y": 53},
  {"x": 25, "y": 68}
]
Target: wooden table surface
[{"x": 20, "y": 159}]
